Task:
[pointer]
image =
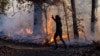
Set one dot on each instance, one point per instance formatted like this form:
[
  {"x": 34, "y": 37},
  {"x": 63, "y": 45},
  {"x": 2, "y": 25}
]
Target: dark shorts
[{"x": 58, "y": 33}]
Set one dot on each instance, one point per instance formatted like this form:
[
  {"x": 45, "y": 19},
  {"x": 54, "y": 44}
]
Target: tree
[
  {"x": 3, "y": 3},
  {"x": 75, "y": 27},
  {"x": 37, "y": 18},
  {"x": 93, "y": 18},
  {"x": 66, "y": 19}
]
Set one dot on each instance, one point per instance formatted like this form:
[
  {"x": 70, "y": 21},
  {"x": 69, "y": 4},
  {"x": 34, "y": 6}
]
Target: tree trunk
[
  {"x": 66, "y": 19},
  {"x": 75, "y": 27},
  {"x": 37, "y": 18},
  {"x": 93, "y": 16}
]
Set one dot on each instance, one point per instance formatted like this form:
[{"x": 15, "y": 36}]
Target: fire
[
  {"x": 9, "y": 35},
  {"x": 29, "y": 31},
  {"x": 25, "y": 31},
  {"x": 49, "y": 29},
  {"x": 20, "y": 31},
  {"x": 64, "y": 36},
  {"x": 50, "y": 26}
]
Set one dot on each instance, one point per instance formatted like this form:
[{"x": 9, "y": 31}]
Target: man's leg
[
  {"x": 62, "y": 40},
  {"x": 56, "y": 45}
]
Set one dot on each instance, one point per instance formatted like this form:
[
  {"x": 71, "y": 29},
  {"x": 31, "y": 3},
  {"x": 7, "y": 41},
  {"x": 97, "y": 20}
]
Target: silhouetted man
[{"x": 58, "y": 32}]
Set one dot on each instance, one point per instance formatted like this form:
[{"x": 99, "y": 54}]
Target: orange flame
[
  {"x": 49, "y": 28},
  {"x": 64, "y": 36},
  {"x": 20, "y": 31},
  {"x": 25, "y": 31},
  {"x": 29, "y": 31}
]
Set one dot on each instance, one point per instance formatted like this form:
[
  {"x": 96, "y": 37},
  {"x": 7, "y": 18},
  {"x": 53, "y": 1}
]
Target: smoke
[
  {"x": 20, "y": 23},
  {"x": 17, "y": 22}
]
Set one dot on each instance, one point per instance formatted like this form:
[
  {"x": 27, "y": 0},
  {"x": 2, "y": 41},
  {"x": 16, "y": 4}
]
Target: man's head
[{"x": 57, "y": 17}]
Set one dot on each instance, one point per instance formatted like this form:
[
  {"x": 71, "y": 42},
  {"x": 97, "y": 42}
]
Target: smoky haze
[{"x": 28, "y": 24}]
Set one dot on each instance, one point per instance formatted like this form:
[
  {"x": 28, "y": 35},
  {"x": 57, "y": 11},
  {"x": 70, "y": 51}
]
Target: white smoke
[
  {"x": 22, "y": 17},
  {"x": 16, "y": 19}
]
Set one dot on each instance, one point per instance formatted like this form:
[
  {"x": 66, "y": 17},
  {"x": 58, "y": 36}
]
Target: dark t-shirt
[{"x": 58, "y": 26}]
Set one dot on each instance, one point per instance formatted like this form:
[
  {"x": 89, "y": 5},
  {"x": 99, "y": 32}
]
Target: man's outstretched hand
[{"x": 52, "y": 17}]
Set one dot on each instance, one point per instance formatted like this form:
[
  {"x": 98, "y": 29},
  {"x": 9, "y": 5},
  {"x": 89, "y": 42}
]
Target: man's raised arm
[{"x": 53, "y": 18}]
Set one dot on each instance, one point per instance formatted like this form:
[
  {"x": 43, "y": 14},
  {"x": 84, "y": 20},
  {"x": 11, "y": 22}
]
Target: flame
[
  {"x": 9, "y": 35},
  {"x": 24, "y": 31},
  {"x": 64, "y": 36},
  {"x": 20, "y": 31},
  {"x": 49, "y": 28},
  {"x": 29, "y": 31}
]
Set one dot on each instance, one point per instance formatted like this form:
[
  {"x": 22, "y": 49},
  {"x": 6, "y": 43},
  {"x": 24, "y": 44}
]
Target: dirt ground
[{"x": 48, "y": 51}]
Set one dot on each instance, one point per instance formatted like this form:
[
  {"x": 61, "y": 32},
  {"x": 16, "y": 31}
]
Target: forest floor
[
  {"x": 11, "y": 49},
  {"x": 48, "y": 51}
]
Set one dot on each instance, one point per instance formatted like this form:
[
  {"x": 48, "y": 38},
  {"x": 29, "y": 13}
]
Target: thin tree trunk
[
  {"x": 93, "y": 16},
  {"x": 66, "y": 20},
  {"x": 75, "y": 27},
  {"x": 45, "y": 14}
]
